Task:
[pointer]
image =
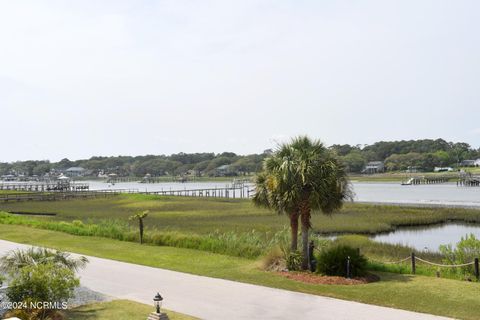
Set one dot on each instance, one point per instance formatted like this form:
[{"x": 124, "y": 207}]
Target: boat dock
[
  {"x": 56, "y": 196},
  {"x": 62, "y": 186},
  {"x": 425, "y": 180}
]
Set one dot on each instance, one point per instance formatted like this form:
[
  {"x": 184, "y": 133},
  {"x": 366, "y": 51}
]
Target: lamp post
[{"x": 157, "y": 302}]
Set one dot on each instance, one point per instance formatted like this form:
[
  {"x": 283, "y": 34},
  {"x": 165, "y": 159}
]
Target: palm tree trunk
[
  {"x": 294, "y": 230},
  {"x": 306, "y": 256},
  {"x": 140, "y": 221},
  {"x": 305, "y": 215}
]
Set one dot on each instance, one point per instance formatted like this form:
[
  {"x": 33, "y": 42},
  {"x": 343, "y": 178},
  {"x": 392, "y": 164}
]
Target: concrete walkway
[{"x": 210, "y": 298}]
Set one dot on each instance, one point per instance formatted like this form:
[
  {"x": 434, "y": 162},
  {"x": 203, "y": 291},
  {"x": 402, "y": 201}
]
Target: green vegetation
[
  {"x": 423, "y": 154},
  {"x": 200, "y": 216},
  {"x": 118, "y": 310},
  {"x": 332, "y": 261},
  {"x": 38, "y": 275},
  {"x": 465, "y": 251},
  {"x": 398, "y": 155},
  {"x": 193, "y": 164},
  {"x": 446, "y": 297}
]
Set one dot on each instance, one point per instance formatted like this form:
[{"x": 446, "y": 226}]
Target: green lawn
[
  {"x": 202, "y": 216},
  {"x": 418, "y": 293},
  {"x": 118, "y": 310}
]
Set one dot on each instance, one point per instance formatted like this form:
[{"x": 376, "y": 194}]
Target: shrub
[
  {"x": 333, "y": 261},
  {"x": 466, "y": 250},
  {"x": 274, "y": 260},
  {"x": 42, "y": 283},
  {"x": 294, "y": 260}
]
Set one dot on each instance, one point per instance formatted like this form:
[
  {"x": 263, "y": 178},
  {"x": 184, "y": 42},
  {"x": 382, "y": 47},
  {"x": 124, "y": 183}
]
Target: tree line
[
  {"x": 424, "y": 154},
  {"x": 155, "y": 165}
]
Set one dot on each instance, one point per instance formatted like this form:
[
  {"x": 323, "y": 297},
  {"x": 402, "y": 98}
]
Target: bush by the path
[{"x": 333, "y": 261}]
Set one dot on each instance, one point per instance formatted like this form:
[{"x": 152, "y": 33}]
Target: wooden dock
[
  {"x": 243, "y": 192},
  {"x": 56, "y": 196},
  {"x": 425, "y": 180},
  {"x": 469, "y": 181},
  {"x": 45, "y": 186},
  {"x": 233, "y": 192}
]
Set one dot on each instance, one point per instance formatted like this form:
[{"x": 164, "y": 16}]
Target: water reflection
[{"x": 429, "y": 237}]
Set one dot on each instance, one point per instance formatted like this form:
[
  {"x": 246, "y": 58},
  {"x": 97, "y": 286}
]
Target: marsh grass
[
  {"x": 249, "y": 245},
  {"x": 233, "y": 227},
  {"x": 204, "y": 215}
]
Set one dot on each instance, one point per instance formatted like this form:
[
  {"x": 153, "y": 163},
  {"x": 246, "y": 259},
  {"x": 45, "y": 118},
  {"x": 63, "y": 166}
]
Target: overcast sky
[{"x": 82, "y": 78}]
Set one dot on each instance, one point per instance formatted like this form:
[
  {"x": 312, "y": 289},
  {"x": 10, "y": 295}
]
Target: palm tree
[
  {"x": 268, "y": 195},
  {"x": 140, "y": 216},
  {"x": 303, "y": 176},
  {"x": 17, "y": 259}
]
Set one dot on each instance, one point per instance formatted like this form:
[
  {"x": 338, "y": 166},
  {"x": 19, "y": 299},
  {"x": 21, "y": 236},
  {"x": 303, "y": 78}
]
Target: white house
[
  {"x": 75, "y": 172},
  {"x": 374, "y": 167}
]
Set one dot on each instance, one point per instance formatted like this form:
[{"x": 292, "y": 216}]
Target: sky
[{"x": 82, "y": 78}]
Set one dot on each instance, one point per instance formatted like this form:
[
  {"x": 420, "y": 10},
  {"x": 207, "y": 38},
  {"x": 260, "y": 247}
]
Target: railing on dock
[
  {"x": 243, "y": 192},
  {"x": 426, "y": 180},
  {"x": 45, "y": 186},
  {"x": 469, "y": 181},
  {"x": 228, "y": 192},
  {"x": 55, "y": 196}
]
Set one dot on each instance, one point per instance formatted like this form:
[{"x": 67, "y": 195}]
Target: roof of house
[
  {"x": 224, "y": 167},
  {"x": 75, "y": 169}
]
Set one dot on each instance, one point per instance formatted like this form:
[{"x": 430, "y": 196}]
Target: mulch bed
[{"x": 313, "y": 278}]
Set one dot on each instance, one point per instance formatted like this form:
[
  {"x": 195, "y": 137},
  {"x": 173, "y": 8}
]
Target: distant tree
[
  {"x": 343, "y": 149},
  {"x": 41, "y": 168},
  {"x": 64, "y": 164},
  {"x": 459, "y": 151},
  {"x": 354, "y": 161}
]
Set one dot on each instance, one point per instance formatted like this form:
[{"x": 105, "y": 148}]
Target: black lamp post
[{"x": 157, "y": 301}]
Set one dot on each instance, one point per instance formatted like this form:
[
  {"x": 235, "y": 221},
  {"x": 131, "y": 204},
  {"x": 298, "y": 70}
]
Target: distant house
[
  {"x": 477, "y": 162},
  {"x": 8, "y": 177},
  {"x": 468, "y": 163},
  {"x": 75, "y": 172},
  {"x": 225, "y": 170},
  {"x": 374, "y": 167}
]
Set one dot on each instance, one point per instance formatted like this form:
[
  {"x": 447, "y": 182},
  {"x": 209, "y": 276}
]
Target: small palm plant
[
  {"x": 15, "y": 260},
  {"x": 140, "y": 216},
  {"x": 39, "y": 274}
]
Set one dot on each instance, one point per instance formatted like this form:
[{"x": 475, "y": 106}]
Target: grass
[
  {"x": 246, "y": 245},
  {"x": 249, "y": 245},
  {"x": 233, "y": 227},
  {"x": 118, "y": 310},
  {"x": 201, "y": 216},
  {"x": 439, "y": 296}
]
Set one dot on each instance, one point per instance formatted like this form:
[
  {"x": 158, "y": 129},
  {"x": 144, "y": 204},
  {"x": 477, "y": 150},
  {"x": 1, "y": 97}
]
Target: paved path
[{"x": 209, "y": 298}]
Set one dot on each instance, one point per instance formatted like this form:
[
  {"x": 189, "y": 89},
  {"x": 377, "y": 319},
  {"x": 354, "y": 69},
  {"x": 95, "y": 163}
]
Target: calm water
[
  {"x": 429, "y": 238},
  {"x": 164, "y": 186},
  {"x": 440, "y": 194},
  {"x": 443, "y": 194}
]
